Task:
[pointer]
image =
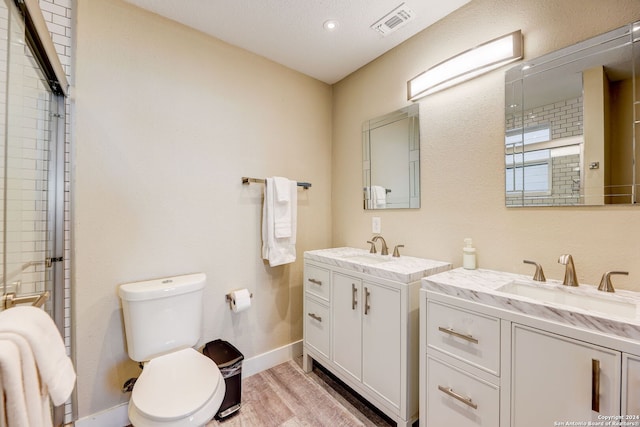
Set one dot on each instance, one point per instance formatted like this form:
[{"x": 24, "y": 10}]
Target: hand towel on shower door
[{"x": 279, "y": 250}]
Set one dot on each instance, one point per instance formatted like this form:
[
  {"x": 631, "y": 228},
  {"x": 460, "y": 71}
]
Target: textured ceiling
[{"x": 291, "y": 33}]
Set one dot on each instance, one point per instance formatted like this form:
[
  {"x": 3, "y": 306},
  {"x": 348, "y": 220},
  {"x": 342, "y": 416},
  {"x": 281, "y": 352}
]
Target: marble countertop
[
  {"x": 481, "y": 286},
  {"x": 405, "y": 269}
]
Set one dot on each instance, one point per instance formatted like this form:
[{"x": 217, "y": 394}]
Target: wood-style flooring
[{"x": 284, "y": 396}]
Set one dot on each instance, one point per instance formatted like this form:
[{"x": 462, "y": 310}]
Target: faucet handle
[
  {"x": 539, "y": 274},
  {"x": 605, "y": 282},
  {"x": 372, "y": 250},
  {"x": 396, "y": 252}
]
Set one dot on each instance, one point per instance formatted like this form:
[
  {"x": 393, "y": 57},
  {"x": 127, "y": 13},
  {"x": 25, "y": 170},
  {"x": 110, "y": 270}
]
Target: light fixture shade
[{"x": 466, "y": 65}]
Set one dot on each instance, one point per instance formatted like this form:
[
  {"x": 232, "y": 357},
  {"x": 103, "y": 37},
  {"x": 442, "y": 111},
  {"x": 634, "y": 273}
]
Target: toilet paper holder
[{"x": 229, "y": 298}]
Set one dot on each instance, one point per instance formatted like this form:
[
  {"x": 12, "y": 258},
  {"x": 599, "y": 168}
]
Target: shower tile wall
[
  {"x": 23, "y": 163},
  {"x": 58, "y": 15},
  {"x": 25, "y": 231}
]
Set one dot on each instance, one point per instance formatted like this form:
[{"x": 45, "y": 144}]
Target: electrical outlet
[{"x": 376, "y": 225}]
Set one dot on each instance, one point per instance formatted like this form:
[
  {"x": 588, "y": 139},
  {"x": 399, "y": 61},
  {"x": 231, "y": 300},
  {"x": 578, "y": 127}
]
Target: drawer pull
[
  {"x": 315, "y": 317},
  {"x": 354, "y": 296},
  {"x": 315, "y": 281},
  {"x": 458, "y": 334},
  {"x": 466, "y": 400},
  {"x": 595, "y": 385}
]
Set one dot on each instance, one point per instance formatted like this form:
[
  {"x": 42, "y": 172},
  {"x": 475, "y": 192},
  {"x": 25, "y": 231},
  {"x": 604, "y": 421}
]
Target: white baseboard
[
  {"x": 117, "y": 416},
  {"x": 267, "y": 360},
  {"x": 112, "y": 417}
]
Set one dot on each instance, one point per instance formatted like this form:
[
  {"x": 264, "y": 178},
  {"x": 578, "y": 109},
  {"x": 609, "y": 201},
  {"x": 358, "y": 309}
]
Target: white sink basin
[
  {"x": 367, "y": 259},
  {"x": 605, "y": 303}
]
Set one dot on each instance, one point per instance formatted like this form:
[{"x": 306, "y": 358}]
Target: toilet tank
[{"x": 162, "y": 315}]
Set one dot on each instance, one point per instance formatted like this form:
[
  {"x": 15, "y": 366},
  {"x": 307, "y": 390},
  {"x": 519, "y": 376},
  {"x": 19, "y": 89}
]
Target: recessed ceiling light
[{"x": 330, "y": 25}]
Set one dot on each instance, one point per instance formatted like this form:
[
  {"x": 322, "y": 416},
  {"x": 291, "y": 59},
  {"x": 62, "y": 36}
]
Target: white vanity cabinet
[
  {"x": 368, "y": 336},
  {"x": 489, "y": 360}
]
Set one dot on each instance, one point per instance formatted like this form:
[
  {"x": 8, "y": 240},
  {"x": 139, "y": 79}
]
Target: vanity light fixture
[{"x": 466, "y": 65}]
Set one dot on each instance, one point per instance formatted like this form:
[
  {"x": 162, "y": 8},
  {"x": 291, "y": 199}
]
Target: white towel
[
  {"x": 278, "y": 250},
  {"x": 12, "y": 388},
  {"x": 54, "y": 366},
  {"x": 282, "y": 207},
  {"x": 36, "y": 397},
  {"x": 379, "y": 196}
]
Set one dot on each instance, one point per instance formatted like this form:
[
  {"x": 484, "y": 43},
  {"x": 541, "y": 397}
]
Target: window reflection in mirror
[
  {"x": 391, "y": 160},
  {"x": 571, "y": 120}
]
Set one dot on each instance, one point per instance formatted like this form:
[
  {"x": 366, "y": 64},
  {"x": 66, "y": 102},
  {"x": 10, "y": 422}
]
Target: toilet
[{"x": 178, "y": 386}]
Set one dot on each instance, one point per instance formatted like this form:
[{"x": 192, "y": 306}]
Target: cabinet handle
[
  {"x": 466, "y": 400},
  {"x": 595, "y": 385},
  {"x": 315, "y": 317},
  {"x": 354, "y": 296},
  {"x": 315, "y": 281},
  {"x": 367, "y": 307},
  {"x": 458, "y": 334}
]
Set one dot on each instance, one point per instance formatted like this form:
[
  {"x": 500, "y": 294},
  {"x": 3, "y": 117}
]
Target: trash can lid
[{"x": 223, "y": 353}]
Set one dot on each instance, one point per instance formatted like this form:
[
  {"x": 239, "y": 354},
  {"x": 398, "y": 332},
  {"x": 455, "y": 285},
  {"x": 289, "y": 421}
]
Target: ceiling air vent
[{"x": 393, "y": 20}]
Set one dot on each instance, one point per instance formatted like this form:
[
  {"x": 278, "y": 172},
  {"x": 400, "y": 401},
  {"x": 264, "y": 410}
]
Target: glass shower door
[{"x": 30, "y": 114}]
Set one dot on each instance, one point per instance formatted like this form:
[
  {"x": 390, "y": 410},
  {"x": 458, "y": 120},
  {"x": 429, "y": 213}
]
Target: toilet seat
[{"x": 180, "y": 388}]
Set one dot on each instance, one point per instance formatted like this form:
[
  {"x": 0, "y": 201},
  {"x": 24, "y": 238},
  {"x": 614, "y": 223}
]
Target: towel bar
[
  {"x": 247, "y": 181},
  {"x": 38, "y": 300}
]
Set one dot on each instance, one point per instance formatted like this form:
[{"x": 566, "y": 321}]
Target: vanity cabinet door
[
  {"x": 381, "y": 344},
  {"x": 631, "y": 385},
  {"x": 347, "y": 332},
  {"x": 557, "y": 379}
]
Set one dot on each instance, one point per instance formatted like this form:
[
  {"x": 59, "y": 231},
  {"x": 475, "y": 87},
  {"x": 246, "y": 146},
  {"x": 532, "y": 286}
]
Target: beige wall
[
  {"x": 462, "y": 158},
  {"x": 167, "y": 122}
]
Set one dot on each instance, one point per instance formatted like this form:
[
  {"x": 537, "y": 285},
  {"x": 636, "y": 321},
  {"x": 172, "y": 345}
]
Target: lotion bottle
[{"x": 468, "y": 255}]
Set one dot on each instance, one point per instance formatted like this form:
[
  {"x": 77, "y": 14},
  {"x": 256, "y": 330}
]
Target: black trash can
[{"x": 229, "y": 361}]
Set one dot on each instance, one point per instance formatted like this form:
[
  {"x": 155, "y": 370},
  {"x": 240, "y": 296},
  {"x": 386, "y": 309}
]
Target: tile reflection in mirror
[{"x": 571, "y": 119}]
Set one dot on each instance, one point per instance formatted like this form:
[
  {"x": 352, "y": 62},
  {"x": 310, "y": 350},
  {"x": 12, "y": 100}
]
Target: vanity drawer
[
  {"x": 317, "y": 326},
  {"x": 317, "y": 281},
  {"x": 471, "y": 337},
  {"x": 457, "y": 398}
]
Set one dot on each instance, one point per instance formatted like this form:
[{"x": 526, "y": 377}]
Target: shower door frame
[{"x": 38, "y": 39}]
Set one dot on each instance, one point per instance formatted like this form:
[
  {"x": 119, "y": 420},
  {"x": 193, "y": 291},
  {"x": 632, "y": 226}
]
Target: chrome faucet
[
  {"x": 383, "y": 250},
  {"x": 570, "y": 277}
]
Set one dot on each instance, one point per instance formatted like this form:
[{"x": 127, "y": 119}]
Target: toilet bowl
[
  {"x": 183, "y": 388},
  {"x": 178, "y": 386}
]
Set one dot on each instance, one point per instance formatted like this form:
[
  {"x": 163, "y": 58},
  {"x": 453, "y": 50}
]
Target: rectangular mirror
[
  {"x": 391, "y": 160},
  {"x": 571, "y": 120}
]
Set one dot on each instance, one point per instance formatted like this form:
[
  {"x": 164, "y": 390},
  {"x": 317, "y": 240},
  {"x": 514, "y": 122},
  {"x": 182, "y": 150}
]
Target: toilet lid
[{"x": 175, "y": 385}]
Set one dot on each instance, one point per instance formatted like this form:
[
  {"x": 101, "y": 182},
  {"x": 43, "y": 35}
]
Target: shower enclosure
[
  {"x": 32, "y": 134},
  {"x": 32, "y": 130}
]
